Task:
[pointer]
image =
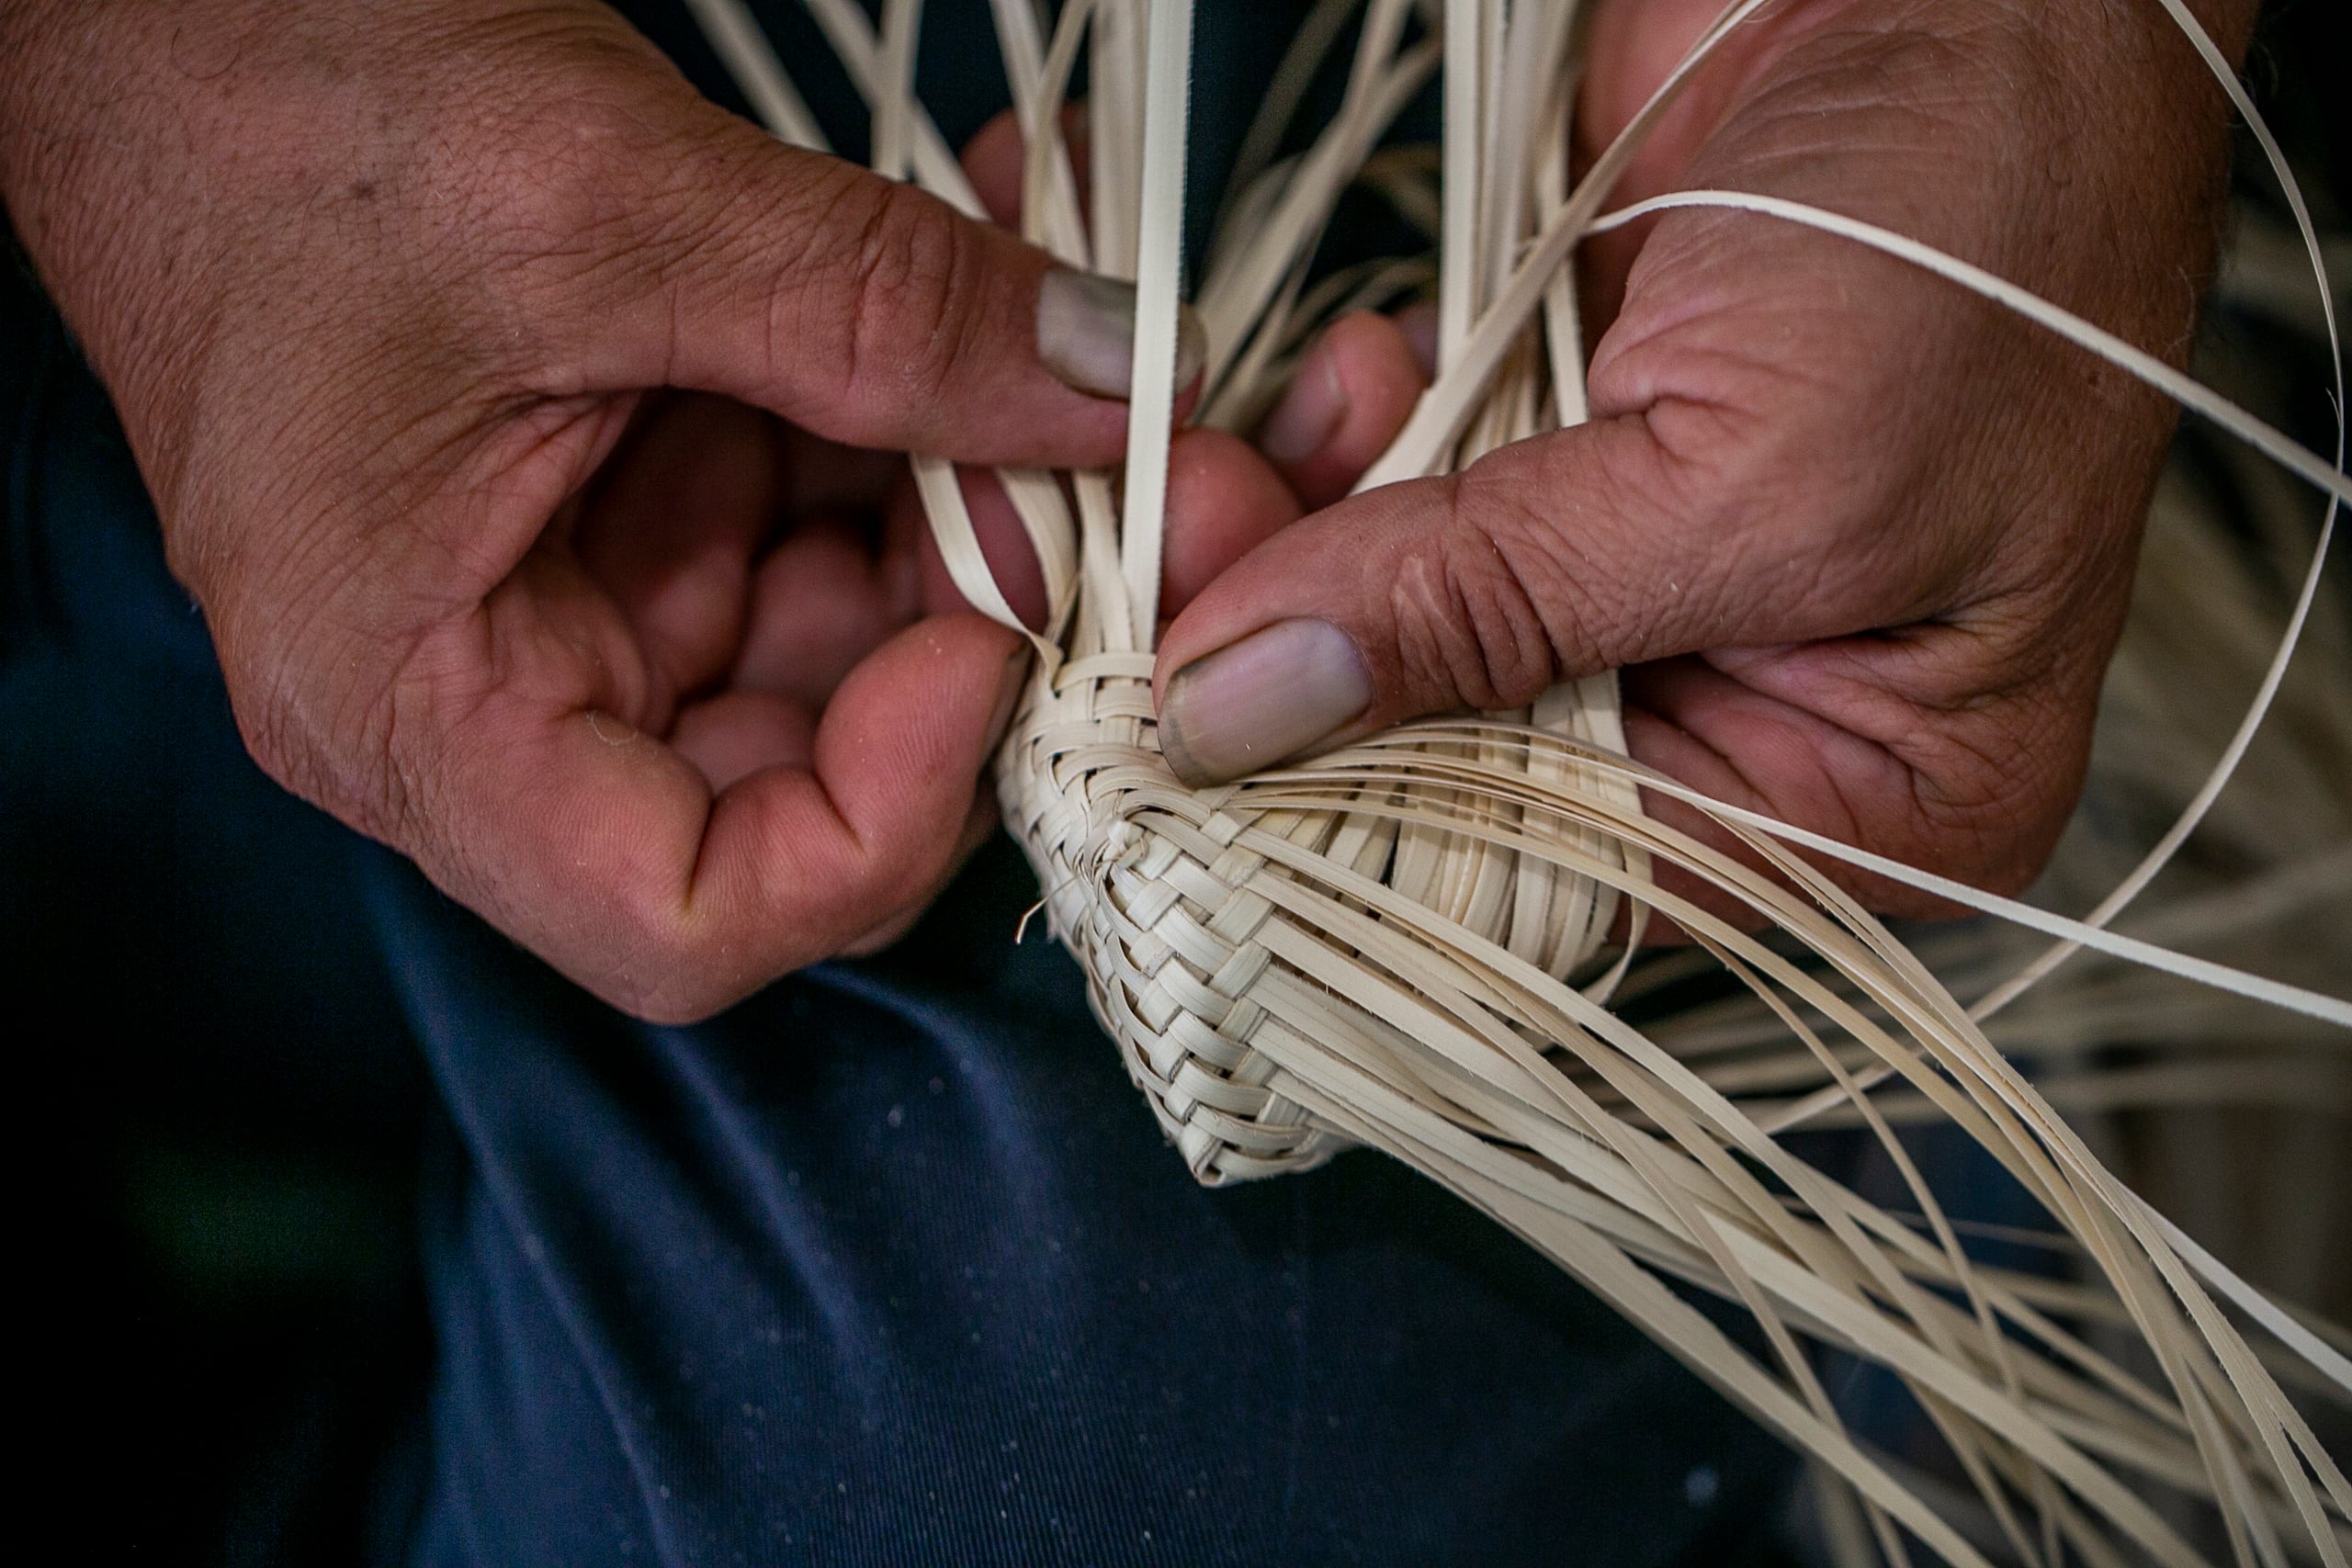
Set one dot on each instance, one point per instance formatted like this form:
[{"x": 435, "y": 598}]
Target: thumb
[
  {"x": 1547, "y": 560},
  {"x": 874, "y": 314}
]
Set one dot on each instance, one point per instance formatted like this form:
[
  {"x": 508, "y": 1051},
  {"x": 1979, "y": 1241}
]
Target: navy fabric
[
  {"x": 887, "y": 1266},
  {"x": 884, "y": 1268}
]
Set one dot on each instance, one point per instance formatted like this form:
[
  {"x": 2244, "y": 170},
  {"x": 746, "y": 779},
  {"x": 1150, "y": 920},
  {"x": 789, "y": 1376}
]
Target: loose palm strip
[{"x": 1377, "y": 947}]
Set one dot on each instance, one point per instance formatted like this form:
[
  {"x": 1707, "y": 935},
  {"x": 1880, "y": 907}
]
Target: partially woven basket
[
  {"x": 1174, "y": 901},
  {"x": 1407, "y": 944},
  {"x": 1158, "y": 910}
]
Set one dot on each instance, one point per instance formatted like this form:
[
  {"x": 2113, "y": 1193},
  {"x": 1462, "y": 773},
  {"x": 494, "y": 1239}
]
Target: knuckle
[
  {"x": 907, "y": 249},
  {"x": 1468, "y": 603},
  {"x": 1556, "y": 581},
  {"x": 690, "y": 947},
  {"x": 902, "y": 319}
]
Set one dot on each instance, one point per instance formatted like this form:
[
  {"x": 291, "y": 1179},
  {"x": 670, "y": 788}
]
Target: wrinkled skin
[
  {"x": 503, "y": 404},
  {"x": 498, "y": 397}
]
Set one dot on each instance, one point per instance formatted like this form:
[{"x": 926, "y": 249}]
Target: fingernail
[
  {"x": 1261, "y": 701},
  {"x": 1309, "y": 412},
  {"x": 1086, "y": 334}
]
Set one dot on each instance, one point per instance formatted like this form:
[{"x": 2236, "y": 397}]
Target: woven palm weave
[
  {"x": 1161, "y": 893},
  {"x": 1155, "y": 909}
]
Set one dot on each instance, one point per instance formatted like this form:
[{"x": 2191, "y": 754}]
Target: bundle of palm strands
[
  {"x": 2228, "y": 1114},
  {"x": 1403, "y": 944}
]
